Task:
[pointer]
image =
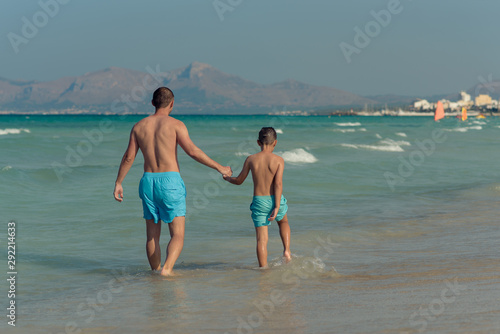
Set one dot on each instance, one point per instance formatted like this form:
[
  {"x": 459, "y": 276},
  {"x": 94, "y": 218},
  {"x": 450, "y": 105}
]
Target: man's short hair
[
  {"x": 267, "y": 136},
  {"x": 162, "y": 97}
]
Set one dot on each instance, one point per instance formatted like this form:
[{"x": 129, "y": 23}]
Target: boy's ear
[
  {"x": 259, "y": 143},
  {"x": 275, "y": 142}
]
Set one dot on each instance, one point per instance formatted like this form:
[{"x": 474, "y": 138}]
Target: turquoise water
[{"x": 386, "y": 214}]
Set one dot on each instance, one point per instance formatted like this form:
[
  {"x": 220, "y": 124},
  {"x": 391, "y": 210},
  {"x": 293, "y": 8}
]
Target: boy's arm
[
  {"x": 243, "y": 174},
  {"x": 278, "y": 189},
  {"x": 127, "y": 161},
  {"x": 196, "y": 153}
]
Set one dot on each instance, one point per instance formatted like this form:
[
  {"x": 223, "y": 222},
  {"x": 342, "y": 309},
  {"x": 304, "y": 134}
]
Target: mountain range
[{"x": 199, "y": 89}]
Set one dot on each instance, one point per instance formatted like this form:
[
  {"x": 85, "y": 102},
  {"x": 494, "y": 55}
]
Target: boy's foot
[
  {"x": 167, "y": 273},
  {"x": 287, "y": 256}
]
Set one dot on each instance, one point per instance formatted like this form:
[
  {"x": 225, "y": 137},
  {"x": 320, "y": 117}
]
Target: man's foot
[{"x": 287, "y": 256}]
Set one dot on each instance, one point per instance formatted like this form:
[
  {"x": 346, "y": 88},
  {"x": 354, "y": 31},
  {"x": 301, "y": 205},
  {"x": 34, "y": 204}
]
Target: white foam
[
  {"x": 298, "y": 155},
  {"x": 349, "y": 124},
  {"x": 6, "y": 168},
  {"x": 465, "y": 129},
  {"x": 279, "y": 131},
  {"x": 362, "y": 129},
  {"x": 13, "y": 131},
  {"x": 402, "y": 143},
  {"x": 343, "y": 130},
  {"x": 401, "y": 134},
  {"x": 378, "y": 136},
  {"x": 479, "y": 122},
  {"x": 242, "y": 154},
  {"x": 387, "y": 145}
]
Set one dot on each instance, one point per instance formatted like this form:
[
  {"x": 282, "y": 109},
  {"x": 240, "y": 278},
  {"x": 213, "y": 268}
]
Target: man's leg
[
  {"x": 153, "y": 243},
  {"x": 262, "y": 238},
  {"x": 175, "y": 245},
  {"x": 285, "y": 237}
]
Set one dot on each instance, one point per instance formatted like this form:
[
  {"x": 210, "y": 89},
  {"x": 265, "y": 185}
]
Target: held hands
[
  {"x": 118, "y": 192},
  {"x": 226, "y": 171}
]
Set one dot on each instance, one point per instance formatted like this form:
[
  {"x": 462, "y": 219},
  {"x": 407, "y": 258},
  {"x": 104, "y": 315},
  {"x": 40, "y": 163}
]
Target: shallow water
[{"x": 394, "y": 228}]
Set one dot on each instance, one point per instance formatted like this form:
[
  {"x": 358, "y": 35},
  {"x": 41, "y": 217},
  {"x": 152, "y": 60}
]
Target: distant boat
[
  {"x": 439, "y": 113},
  {"x": 464, "y": 114},
  {"x": 480, "y": 116}
]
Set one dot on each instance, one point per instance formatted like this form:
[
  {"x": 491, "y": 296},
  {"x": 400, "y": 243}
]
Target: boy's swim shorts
[
  {"x": 163, "y": 196},
  {"x": 262, "y": 207}
]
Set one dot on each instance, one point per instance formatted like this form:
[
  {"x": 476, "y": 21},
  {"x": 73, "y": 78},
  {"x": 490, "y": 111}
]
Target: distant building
[
  {"x": 422, "y": 105},
  {"x": 465, "y": 97},
  {"x": 483, "y": 100},
  {"x": 446, "y": 104},
  {"x": 465, "y": 101}
]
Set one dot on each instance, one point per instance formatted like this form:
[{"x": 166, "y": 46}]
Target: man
[{"x": 161, "y": 188}]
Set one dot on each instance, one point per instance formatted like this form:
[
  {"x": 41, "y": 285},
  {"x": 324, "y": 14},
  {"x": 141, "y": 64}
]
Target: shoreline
[{"x": 338, "y": 114}]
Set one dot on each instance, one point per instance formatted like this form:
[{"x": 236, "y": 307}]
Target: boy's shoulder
[{"x": 261, "y": 155}]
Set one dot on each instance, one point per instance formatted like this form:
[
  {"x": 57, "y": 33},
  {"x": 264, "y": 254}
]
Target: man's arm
[
  {"x": 243, "y": 174},
  {"x": 278, "y": 188},
  {"x": 197, "y": 154},
  {"x": 127, "y": 161}
]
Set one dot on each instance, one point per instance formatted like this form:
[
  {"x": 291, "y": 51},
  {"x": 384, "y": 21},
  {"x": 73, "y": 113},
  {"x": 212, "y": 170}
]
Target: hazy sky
[{"x": 424, "y": 47}]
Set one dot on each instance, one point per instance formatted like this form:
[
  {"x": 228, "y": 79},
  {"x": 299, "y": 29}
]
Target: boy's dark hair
[
  {"x": 162, "y": 97},
  {"x": 267, "y": 135}
]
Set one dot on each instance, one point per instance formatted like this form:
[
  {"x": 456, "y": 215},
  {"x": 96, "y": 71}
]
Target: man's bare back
[{"x": 156, "y": 136}]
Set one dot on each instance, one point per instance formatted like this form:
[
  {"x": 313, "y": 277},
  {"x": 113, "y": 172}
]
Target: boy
[{"x": 268, "y": 201}]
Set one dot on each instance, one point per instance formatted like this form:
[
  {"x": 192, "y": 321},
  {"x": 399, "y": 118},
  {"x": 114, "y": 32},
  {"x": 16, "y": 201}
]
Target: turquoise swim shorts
[
  {"x": 163, "y": 196},
  {"x": 262, "y": 207}
]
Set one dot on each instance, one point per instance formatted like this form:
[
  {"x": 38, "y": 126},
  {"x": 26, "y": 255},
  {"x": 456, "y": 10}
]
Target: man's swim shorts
[
  {"x": 262, "y": 207},
  {"x": 163, "y": 196}
]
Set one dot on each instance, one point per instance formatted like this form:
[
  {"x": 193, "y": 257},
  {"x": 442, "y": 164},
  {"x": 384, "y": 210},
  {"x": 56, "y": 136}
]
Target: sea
[{"x": 394, "y": 229}]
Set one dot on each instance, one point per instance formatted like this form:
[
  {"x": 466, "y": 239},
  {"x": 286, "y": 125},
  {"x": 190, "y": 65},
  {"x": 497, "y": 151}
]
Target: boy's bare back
[{"x": 265, "y": 167}]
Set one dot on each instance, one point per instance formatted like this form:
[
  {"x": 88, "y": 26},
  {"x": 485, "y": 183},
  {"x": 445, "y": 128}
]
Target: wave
[
  {"x": 479, "y": 122},
  {"x": 343, "y": 130},
  {"x": 279, "y": 131},
  {"x": 349, "y": 124},
  {"x": 242, "y": 154},
  {"x": 387, "y": 145},
  {"x": 401, "y": 134},
  {"x": 347, "y": 130},
  {"x": 465, "y": 129},
  {"x": 298, "y": 155},
  {"x": 6, "y": 168},
  {"x": 13, "y": 131}
]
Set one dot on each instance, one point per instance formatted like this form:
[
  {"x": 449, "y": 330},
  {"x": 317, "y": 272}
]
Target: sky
[{"x": 368, "y": 47}]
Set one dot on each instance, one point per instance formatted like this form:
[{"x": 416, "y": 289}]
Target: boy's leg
[
  {"x": 153, "y": 243},
  {"x": 285, "y": 237},
  {"x": 175, "y": 245},
  {"x": 262, "y": 238}
]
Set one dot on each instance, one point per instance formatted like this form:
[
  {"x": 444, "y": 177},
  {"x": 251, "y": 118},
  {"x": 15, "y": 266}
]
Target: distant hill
[{"x": 198, "y": 88}]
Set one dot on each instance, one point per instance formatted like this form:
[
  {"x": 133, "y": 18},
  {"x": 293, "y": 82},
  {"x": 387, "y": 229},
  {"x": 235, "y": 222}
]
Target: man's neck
[{"x": 163, "y": 111}]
